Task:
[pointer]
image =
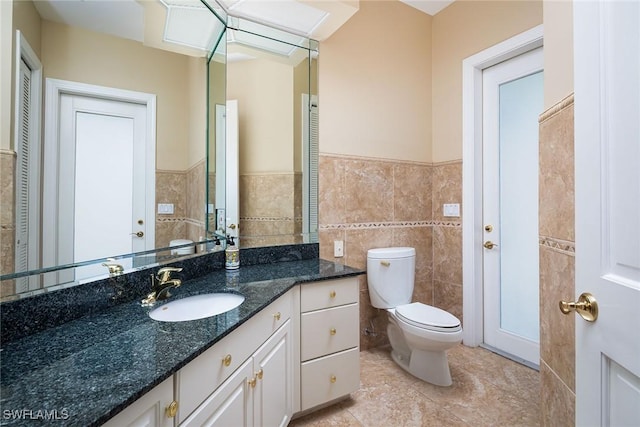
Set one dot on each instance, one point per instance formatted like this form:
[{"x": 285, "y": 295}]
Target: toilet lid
[{"x": 428, "y": 317}]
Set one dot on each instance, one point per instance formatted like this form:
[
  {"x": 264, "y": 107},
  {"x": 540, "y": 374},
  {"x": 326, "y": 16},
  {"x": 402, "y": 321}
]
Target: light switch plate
[
  {"x": 338, "y": 248},
  {"x": 165, "y": 208},
  {"x": 451, "y": 209}
]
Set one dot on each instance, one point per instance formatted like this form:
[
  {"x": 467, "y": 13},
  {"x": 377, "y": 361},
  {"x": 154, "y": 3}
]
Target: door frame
[
  {"x": 55, "y": 88},
  {"x": 472, "y": 287}
]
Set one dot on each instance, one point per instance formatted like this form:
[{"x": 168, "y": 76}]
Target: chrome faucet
[{"x": 160, "y": 285}]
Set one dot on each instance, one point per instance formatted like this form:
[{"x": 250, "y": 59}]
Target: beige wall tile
[
  {"x": 195, "y": 182},
  {"x": 557, "y": 405},
  {"x": 171, "y": 187},
  {"x": 411, "y": 192},
  {"x": 358, "y": 242},
  {"x": 7, "y": 184},
  {"x": 269, "y": 196},
  {"x": 368, "y": 191},
  {"x": 419, "y": 238},
  {"x": 373, "y": 323},
  {"x": 557, "y": 210},
  {"x": 446, "y": 188},
  {"x": 331, "y": 189},
  {"x": 557, "y": 331},
  {"x": 447, "y": 254}
]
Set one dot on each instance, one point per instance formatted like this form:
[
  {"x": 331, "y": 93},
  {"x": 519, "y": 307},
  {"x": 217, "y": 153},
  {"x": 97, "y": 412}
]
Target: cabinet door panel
[
  {"x": 330, "y": 293},
  {"x": 329, "y": 377},
  {"x": 204, "y": 374},
  {"x": 149, "y": 410},
  {"x": 230, "y": 405},
  {"x": 273, "y": 366},
  {"x": 329, "y": 331}
]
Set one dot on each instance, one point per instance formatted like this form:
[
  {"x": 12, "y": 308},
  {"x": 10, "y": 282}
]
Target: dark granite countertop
[{"x": 85, "y": 371}]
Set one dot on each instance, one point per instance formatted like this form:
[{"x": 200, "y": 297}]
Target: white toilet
[{"x": 419, "y": 334}]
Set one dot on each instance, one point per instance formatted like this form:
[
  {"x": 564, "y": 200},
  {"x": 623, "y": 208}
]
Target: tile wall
[
  {"x": 372, "y": 203},
  {"x": 7, "y": 223},
  {"x": 557, "y": 264},
  {"x": 186, "y": 191},
  {"x": 271, "y": 210}
]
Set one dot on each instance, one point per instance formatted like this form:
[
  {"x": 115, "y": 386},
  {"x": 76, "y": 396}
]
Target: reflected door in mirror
[{"x": 101, "y": 164}]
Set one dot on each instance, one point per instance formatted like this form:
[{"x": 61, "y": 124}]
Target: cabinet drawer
[
  {"x": 329, "y": 331},
  {"x": 198, "y": 379},
  {"x": 329, "y": 293},
  {"x": 329, "y": 377}
]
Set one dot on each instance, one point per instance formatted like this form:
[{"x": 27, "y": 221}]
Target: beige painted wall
[
  {"x": 75, "y": 54},
  {"x": 375, "y": 84},
  {"x": 6, "y": 58},
  {"x": 558, "y": 51},
  {"x": 264, "y": 90},
  {"x": 459, "y": 31},
  {"x": 197, "y": 81}
]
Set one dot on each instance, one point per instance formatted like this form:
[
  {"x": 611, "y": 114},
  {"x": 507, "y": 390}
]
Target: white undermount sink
[{"x": 196, "y": 307}]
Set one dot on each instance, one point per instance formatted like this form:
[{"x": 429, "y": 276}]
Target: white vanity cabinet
[
  {"x": 245, "y": 379},
  {"x": 150, "y": 410},
  {"x": 329, "y": 341}
]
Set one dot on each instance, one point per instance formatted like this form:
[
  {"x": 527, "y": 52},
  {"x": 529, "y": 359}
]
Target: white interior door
[
  {"x": 512, "y": 102},
  {"x": 607, "y": 155},
  {"x": 98, "y": 194}
]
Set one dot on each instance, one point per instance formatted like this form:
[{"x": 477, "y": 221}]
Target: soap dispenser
[{"x": 231, "y": 255}]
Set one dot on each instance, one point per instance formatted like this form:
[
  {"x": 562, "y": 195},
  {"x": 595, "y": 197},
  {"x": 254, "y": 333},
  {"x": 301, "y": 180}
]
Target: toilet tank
[{"x": 390, "y": 276}]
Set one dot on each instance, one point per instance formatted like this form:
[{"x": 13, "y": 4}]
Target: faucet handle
[
  {"x": 164, "y": 273},
  {"x": 114, "y": 269}
]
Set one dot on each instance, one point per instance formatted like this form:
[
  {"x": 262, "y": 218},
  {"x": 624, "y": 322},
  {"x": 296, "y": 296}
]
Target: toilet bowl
[
  {"x": 188, "y": 250},
  {"x": 419, "y": 334}
]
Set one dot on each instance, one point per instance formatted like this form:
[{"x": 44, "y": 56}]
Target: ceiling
[
  {"x": 126, "y": 18},
  {"x": 430, "y": 7}
]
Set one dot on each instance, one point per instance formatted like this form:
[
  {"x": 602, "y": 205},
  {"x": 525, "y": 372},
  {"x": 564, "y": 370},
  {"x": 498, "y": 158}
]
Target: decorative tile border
[
  {"x": 557, "y": 245},
  {"x": 181, "y": 219},
  {"x": 399, "y": 224},
  {"x": 270, "y": 219},
  {"x": 552, "y": 111}
]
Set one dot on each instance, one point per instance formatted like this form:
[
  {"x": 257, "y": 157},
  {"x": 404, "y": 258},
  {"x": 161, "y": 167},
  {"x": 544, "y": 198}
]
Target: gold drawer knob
[
  {"x": 277, "y": 316},
  {"x": 226, "y": 361},
  {"x": 332, "y": 331},
  {"x": 252, "y": 382},
  {"x": 333, "y": 379},
  {"x": 259, "y": 374},
  {"x": 172, "y": 409},
  {"x": 332, "y": 294}
]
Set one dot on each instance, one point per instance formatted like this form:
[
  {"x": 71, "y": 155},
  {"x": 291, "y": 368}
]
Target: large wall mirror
[
  {"x": 270, "y": 111},
  {"x": 186, "y": 81}
]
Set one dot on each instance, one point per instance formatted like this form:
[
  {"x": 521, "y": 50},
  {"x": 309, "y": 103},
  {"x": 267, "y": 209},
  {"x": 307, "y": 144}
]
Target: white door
[
  {"x": 97, "y": 187},
  {"x": 512, "y": 102},
  {"x": 607, "y": 156}
]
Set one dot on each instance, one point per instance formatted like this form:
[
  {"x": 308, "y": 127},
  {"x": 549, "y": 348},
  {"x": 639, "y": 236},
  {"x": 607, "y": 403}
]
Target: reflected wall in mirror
[
  {"x": 173, "y": 74},
  {"x": 272, "y": 81}
]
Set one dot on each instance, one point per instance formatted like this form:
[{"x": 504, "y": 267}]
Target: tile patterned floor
[{"x": 487, "y": 390}]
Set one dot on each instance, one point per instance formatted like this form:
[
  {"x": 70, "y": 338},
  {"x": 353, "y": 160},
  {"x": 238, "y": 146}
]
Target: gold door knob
[
  {"x": 138, "y": 234},
  {"x": 333, "y": 379},
  {"x": 586, "y": 307},
  {"x": 226, "y": 361},
  {"x": 252, "y": 382},
  {"x": 171, "y": 410},
  {"x": 260, "y": 374},
  {"x": 489, "y": 244},
  {"x": 332, "y": 331},
  {"x": 332, "y": 294},
  {"x": 277, "y": 316}
]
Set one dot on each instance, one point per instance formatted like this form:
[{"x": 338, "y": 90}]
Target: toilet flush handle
[{"x": 385, "y": 263}]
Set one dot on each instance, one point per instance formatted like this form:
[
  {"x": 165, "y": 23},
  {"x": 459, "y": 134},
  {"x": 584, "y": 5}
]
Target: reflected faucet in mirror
[{"x": 160, "y": 285}]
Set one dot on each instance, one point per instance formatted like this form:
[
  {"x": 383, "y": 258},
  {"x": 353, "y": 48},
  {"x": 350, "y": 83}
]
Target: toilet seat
[{"x": 427, "y": 317}]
